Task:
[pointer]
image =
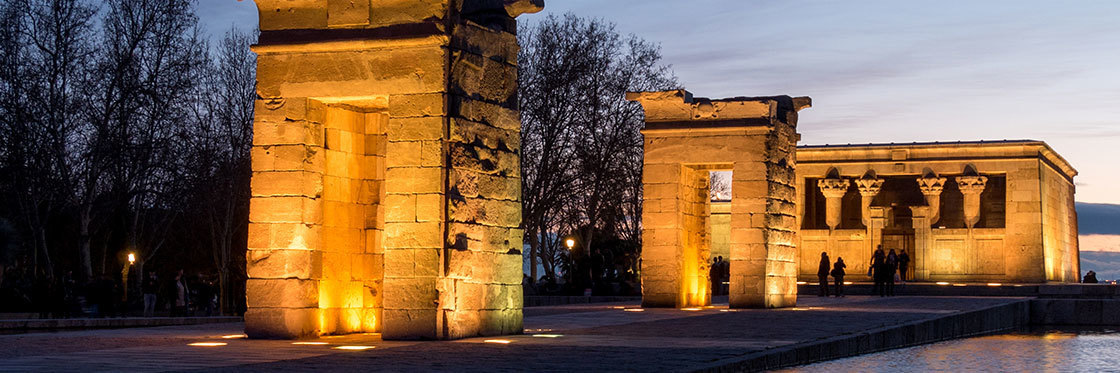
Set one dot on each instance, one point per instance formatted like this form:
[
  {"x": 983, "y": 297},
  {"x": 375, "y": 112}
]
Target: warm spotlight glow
[
  {"x": 634, "y": 310},
  {"x": 207, "y": 344},
  {"x": 354, "y": 348},
  {"x": 942, "y": 283},
  {"x": 994, "y": 284},
  {"x": 691, "y": 309},
  {"x": 570, "y": 243},
  {"x": 234, "y": 336},
  {"x": 131, "y": 258},
  {"x": 847, "y": 282},
  {"x": 619, "y": 307},
  {"x": 310, "y": 343},
  {"x": 959, "y": 285},
  {"x": 802, "y": 282},
  {"x": 498, "y": 341},
  {"x": 548, "y": 335}
]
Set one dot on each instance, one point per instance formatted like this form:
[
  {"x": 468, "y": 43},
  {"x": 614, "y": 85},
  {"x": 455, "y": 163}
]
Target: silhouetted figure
[
  {"x": 714, "y": 276},
  {"x": 877, "y": 271},
  {"x": 838, "y": 276},
  {"x": 1090, "y": 278},
  {"x": 822, "y": 274},
  {"x": 725, "y": 275},
  {"x": 892, "y": 269},
  {"x": 150, "y": 287},
  {"x": 903, "y": 265},
  {"x": 180, "y": 295}
]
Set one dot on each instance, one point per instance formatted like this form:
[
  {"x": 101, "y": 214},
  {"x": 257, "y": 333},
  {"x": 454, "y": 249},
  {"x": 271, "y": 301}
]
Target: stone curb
[
  {"x": 959, "y": 325},
  {"x": 110, "y": 323}
]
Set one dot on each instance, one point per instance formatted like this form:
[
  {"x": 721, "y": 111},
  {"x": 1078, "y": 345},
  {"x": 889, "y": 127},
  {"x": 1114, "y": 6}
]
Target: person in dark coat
[
  {"x": 1090, "y": 278},
  {"x": 892, "y": 269},
  {"x": 838, "y": 276},
  {"x": 822, "y": 274},
  {"x": 878, "y": 270},
  {"x": 903, "y": 265}
]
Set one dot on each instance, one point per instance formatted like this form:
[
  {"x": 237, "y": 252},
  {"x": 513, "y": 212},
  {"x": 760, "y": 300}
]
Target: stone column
[
  {"x": 932, "y": 187},
  {"x": 923, "y": 239},
  {"x": 834, "y": 191},
  {"x": 875, "y": 229},
  {"x": 386, "y": 185},
  {"x": 868, "y": 189},
  {"x": 972, "y": 187}
]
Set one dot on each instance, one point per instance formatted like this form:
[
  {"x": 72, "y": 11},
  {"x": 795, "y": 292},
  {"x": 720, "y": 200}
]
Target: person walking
[
  {"x": 903, "y": 266},
  {"x": 892, "y": 269},
  {"x": 838, "y": 276},
  {"x": 822, "y": 274},
  {"x": 180, "y": 295},
  {"x": 877, "y": 271}
]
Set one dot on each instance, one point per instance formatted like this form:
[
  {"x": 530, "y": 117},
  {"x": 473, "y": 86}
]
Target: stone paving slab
[{"x": 594, "y": 337}]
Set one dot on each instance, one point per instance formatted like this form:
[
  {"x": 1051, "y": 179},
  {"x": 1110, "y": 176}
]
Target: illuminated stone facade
[
  {"x": 386, "y": 179},
  {"x": 998, "y": 211},
  {"x": 685, "y": 139}
]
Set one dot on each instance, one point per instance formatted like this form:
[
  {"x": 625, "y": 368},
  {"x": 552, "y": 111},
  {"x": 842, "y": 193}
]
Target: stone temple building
[{"x": 989, "y": 211}]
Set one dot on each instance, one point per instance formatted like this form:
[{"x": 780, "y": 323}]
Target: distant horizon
[{"x": 882, "y": 71}]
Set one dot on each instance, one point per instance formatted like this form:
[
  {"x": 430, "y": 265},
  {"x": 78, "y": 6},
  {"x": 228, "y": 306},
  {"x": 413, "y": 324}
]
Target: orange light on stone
[
  {"x": 692, "y": 309},
  {"x": 942, "y": 283},
  {"x": 234, "y": 336},
  {"x": 498, "y": 341},
  {"x": 207, "y": 344},
  {"x": 994, "y": 284}
]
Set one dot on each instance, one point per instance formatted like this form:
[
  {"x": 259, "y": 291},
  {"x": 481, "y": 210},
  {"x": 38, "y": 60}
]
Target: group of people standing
[
  {"x": 885, "y": 269},
  {"x": 719, "y": 273}
]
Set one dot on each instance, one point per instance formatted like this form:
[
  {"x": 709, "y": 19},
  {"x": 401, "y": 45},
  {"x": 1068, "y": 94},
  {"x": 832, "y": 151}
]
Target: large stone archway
[
  {"x": 685, "y": 137},
  {"x": 386, "y": 182}
]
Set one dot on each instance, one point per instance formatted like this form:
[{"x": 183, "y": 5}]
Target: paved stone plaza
[{"x": 570, "y": 338}]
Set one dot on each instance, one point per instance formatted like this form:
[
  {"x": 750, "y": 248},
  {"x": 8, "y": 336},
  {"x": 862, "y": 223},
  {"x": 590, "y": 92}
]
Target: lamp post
[{"x": 124, "y": 277}]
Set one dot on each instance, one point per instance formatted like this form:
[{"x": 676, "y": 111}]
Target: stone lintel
[{"x": 680, "y": 109}]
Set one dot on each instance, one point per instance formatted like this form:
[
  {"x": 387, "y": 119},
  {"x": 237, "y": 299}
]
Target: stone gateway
[
  {"x": 685, "y": 139},
  {"x": 386, "y": 178}
]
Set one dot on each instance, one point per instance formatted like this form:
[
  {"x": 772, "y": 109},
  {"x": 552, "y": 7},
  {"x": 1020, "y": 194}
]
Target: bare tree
[{"x": 582, "y": 146}]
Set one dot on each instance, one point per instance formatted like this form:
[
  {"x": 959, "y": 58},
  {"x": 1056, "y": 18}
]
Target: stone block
[
  {"x": 283, "y": 264},
  {"x": 415, "y": 129},
  {"x": 285, "y": 210},
  {"x": 286, "y": 133},
  {"x": 408, "y": 324},
  {"x": 421, "y": 105},
  {"x": 347, "y": 13},
  {"x": 287, "y": 183},
  {"x": 414, "y": 180},
  {"x": 292, "y": 236},
  {"x": 281, "y": 293},
  {"x": 492, "y": 137},
  {"x": 409, "y": 293},
  {"x": 288, "y": 158},
  {"x": 281, "y": 323},
  {"x": 353, "y": 73},
  {"x": 413, "y": 235},
  {"x": 488, "y": 212},
  {"x": 485, "y": 112},
  {"x": 400, "y": 208}
]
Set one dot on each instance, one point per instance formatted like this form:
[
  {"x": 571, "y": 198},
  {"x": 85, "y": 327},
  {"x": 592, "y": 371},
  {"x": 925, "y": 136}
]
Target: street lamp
[
  {"x": 124, "y": 277},
  {"x": 571, "y": 244}
]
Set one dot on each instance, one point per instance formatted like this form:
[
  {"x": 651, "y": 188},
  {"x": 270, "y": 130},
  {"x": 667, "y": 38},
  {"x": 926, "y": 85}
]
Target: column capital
[
  {"x": 834, "y": 188},
  {"x": 932, "y": 186},
  {"x": 869, "y": 187},
  {"x": 972, "y": 184}
]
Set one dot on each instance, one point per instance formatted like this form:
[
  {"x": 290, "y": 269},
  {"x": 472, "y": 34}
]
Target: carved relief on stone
[
  {"x": 972, "y": 187},
  {"x": 705, "y": 110},
  {"x": 833, "y": 190},
  {"x": 868, "y": 189},
  {"x": 931, "y": 187}
]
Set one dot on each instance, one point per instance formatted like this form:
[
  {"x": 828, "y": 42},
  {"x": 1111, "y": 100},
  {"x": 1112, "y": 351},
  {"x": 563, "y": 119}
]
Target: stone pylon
[
  {"x": 685, "y": 138},
  {"x": 386, "y": 179}
]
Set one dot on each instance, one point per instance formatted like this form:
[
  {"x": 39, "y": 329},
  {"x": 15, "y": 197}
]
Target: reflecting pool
[{"x": 1028, "y": 351}]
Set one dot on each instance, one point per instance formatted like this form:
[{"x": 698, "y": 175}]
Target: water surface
[{"x": 1029, "y": 351}]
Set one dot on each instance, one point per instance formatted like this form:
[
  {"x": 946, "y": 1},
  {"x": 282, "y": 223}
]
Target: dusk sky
[{"x": 888, "y": 70}]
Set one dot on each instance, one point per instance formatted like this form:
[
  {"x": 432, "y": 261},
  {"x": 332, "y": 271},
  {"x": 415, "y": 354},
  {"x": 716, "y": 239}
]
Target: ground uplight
[
  {"x": 207, "y": 344},
  {"x": 354, "y": 348},
  {"x": 498, "y": 341},
  {"x": 310, "y": 343}
]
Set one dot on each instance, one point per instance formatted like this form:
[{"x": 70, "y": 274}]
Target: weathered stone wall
[
  {"x": 685, "y": 139},
  {"x": 386, "y": 192},
  {"x": 1059, "y": 227}
]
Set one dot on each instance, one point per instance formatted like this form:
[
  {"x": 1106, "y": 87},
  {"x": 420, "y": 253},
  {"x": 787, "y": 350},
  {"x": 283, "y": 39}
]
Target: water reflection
[{"x": 1027, "y": 351}]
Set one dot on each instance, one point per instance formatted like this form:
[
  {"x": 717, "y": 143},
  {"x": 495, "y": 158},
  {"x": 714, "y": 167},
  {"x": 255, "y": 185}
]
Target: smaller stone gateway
[{"x": 685, "y": 139}]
